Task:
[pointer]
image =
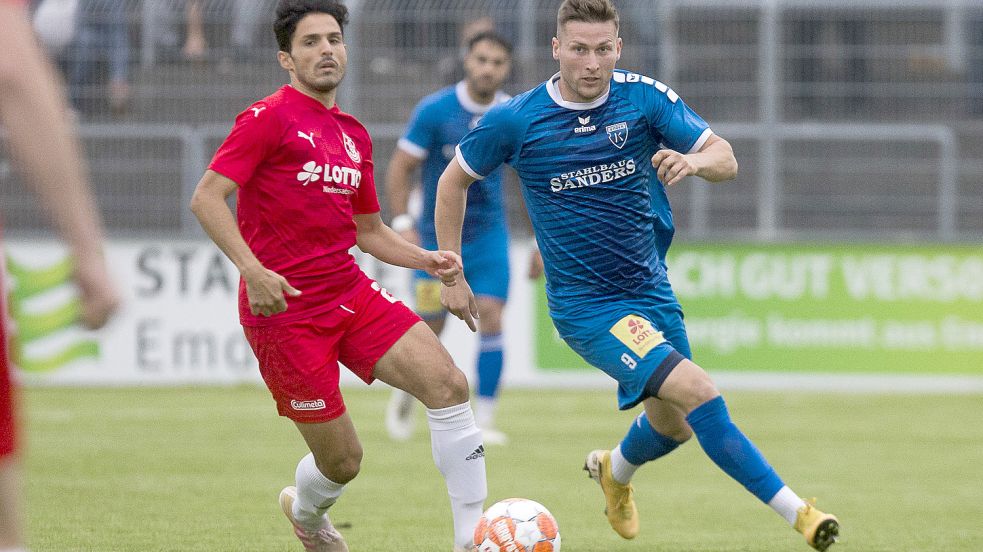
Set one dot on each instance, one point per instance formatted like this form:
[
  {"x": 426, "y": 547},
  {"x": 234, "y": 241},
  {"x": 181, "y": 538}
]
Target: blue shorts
[
  {"x": 486, "y": 267},
  {"x": 637, "y": 341}
]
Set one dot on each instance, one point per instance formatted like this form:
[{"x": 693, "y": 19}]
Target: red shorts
[
  {"x": 8, "y": 441},
  {"x": 299, "y": 360}
]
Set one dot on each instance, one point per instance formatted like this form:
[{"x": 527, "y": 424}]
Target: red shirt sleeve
[
  {"x": 254, "y": 137},
  {"x": 366, "y": 200}
]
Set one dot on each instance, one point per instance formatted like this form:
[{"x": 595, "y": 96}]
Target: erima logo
[
  {"x": 478, "y": 453},
  {"x": 308, "y": 405},
  {"x": 592, "y": 176},
  {"x": 332, "y": 174},
  {"x": 257, "y": 110},
  {"x": 583, "y": 128}
]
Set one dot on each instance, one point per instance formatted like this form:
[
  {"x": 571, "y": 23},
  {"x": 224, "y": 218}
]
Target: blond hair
[{"x": 586, "y": 11}]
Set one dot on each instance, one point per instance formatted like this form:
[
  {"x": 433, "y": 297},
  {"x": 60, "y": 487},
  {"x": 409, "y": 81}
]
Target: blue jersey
[
  {"x": 600, "y": 214},
  {"x": 439, "y": 122}
]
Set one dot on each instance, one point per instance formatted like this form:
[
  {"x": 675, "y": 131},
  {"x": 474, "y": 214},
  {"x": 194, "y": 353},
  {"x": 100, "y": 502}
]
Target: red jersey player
[
  {"x": 30, "y": 99},
  {"x": 302, "y": 171}
]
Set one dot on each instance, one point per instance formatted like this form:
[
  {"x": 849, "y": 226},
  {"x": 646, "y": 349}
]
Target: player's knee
[
  {"x": 491, "y": 318},
  {"x": 702, "y": 390},
  {"x": 673, "y": 427},
  {"x": 696, "y": 388},
  {"x": 680, "y": 434},
  {"x": 344, "y": 468},
  {"x": 449, "y": 388}
]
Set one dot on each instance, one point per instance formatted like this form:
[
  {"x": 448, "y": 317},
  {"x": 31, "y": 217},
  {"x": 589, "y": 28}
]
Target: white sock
[
  {"x": 621, "y": 470},
  {"x": 484, "y": 411},
  {"x": 787, "y": 504},
  {"x": 13, "y": 550},
  {"x": 460, "y": 456},
  {"x": 315, "y": 494}
]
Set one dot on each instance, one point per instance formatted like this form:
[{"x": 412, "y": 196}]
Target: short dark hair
[
  {"x": 290, "y": 12},
  {"x": 493, "y": 37},
  {"x": 586, "y": 11}
]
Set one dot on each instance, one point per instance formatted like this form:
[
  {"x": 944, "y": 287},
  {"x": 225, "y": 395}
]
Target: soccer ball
[{"x": 517, "y": 525}]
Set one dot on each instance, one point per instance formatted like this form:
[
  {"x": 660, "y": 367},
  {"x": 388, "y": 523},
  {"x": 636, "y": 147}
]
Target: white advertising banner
[{"x": 179, "y": 323}]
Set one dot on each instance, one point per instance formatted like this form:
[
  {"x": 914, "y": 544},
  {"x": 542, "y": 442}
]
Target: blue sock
[
  {"x": 643, "y": 443},
  {"x": 489, "y": 365},
  {"x": 732, "y": 450}
]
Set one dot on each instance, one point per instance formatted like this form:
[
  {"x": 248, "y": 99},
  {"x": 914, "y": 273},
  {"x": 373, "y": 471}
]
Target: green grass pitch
[{"x": 199, "y": 469}]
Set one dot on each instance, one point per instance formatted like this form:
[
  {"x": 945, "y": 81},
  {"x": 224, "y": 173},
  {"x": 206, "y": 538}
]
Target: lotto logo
[
  {"x": 637, "y": 334},
  {"x": 311, "y": 173}
]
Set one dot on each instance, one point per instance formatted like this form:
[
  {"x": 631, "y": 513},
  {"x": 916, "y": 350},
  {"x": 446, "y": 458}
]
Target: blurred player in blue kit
[
  {"x": 439, "y": 122},
  {"x": 595, "y": 148}
]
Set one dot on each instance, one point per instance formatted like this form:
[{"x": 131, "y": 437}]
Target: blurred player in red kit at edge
[{"x": 34, "y": 114}]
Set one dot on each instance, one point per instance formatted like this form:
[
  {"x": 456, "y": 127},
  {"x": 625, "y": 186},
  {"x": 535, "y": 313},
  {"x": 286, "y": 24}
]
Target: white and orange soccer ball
[{"x": 517, "y": 525}]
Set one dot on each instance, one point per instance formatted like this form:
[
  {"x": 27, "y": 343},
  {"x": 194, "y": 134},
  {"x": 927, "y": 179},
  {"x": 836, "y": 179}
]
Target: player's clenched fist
[{"x": 672, "y": 166}]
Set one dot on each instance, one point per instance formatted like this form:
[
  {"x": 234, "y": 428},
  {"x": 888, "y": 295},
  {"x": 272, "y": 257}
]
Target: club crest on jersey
[
  {"x": 618, "y": 134},
  {"x": 350, "y": 148}
]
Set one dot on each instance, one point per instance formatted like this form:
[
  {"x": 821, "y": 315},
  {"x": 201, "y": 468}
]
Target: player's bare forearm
[
  {"x": 452, "y": 197},
  {"x": 380, "y": 241},
  {"x": 399, "y": 181},
  {"x": 209, "y": 206},
  {"x": 715, "y": 162},
  {"x": 40, "y": 137}
]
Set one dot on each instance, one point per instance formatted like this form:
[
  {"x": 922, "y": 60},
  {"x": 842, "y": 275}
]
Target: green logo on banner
[{"x": 34, "y": 324}]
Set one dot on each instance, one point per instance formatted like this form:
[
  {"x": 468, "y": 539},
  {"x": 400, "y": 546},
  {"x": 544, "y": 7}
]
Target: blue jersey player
[
  {"x": 595, "y": 148},
  {"x": 438, "y": 124}
]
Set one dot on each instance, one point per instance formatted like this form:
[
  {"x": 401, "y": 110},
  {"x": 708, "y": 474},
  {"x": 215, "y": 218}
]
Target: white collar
[
  {"x": 554, "y": 90},
  {"x": 473, "y": 107}
]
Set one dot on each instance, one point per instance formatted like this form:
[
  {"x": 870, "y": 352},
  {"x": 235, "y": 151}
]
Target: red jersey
[{"x": 303, "y": 171}]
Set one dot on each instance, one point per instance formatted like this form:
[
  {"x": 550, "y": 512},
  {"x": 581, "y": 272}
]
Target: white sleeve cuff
[
  {"x": 412, "y": 149},
  {"x": 464, "y": 164},
  {"x": 701, "y": 140}
]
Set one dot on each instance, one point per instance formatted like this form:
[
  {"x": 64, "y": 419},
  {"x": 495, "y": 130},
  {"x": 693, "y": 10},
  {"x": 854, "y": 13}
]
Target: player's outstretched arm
[
  {"x": 383, "y": 243},
  {"x": 715, "y": 162},
  {"x": 264, "y": 287},
  {"x": 43, "y": 145},
  {"x": 452, "y": 196}
]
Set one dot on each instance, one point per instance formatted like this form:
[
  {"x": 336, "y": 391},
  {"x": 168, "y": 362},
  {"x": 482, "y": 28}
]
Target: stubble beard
[{"x": 328, "y": 84}]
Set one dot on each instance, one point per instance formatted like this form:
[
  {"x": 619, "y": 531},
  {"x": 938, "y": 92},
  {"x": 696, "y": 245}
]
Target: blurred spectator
[
  {"x": 646, "y": 19},
  {"x": 188, "y": 26},
  {"x": 100, "y": 55},
  {"x": 195, "y": 44},
  {"x": 450, "y": 67},
  {"x": 831, "y": 70},
  {"x": 975, "y": 67}
]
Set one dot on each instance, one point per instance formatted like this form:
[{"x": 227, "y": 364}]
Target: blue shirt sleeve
[
  {"x": 675, "y": 125},
  {"x": 497, "y": 139},
  {"x": 420, "y": 134}
]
